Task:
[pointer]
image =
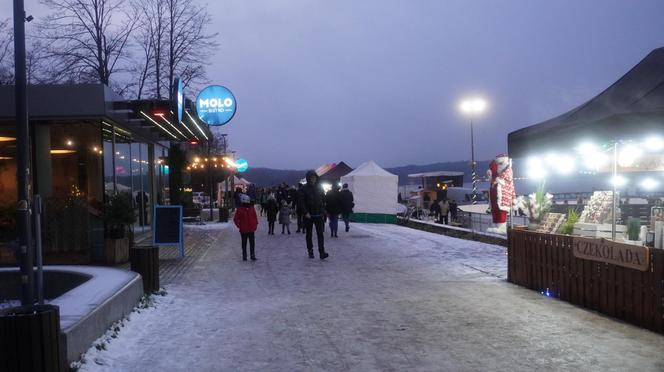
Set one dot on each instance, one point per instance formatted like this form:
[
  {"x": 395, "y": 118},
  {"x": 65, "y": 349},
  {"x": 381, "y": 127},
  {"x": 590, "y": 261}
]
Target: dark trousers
[
  {"x": 346, "y": 218},
  {"x": 334, "y": 223},
  {"x": 270, "y": 227},
  {"x": 443, "y": 219},
  {"x": 309, "y": 224},
  {"x": 252, "y": 245},
  {"x": 300, "y": 222}
]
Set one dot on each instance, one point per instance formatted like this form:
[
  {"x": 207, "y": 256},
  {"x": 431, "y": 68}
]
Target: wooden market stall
[{"x": 599, "y": 264}]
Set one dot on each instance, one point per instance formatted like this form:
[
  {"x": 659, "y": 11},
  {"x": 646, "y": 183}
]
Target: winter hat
[{"x": 244, "y": 199}]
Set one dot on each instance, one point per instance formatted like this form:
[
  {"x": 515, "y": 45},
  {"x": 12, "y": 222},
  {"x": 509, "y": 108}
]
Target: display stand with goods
[
  {"x": 551, "y": 223},
  {"x": 596, "y": 219}
]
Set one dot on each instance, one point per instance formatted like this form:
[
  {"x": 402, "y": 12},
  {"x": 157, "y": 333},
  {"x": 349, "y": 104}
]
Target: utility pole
[
  {"x": 209, "y": 174},
  {"x": 24, "y": 253},
  {"x": 225, "y": 175}
]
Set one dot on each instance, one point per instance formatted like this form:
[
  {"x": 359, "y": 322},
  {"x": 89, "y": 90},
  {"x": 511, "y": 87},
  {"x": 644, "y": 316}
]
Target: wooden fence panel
[{"x": 545, "y": 261}]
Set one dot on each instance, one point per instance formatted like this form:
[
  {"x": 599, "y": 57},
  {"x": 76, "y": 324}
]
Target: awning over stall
[{"x": 631, "y": 108}]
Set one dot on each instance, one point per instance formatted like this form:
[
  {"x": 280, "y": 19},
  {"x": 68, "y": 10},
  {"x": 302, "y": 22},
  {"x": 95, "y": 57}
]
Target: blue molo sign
[
  {"x": 215, "y": 105},
  {"x": 242, "y": 165},
  {"x": 178, "y": 98}
]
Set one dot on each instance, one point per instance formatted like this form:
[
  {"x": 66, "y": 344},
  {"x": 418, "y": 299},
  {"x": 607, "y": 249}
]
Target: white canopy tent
[
  {"x": 375, "y": 192},
  {"x": 237, "y": 181}
]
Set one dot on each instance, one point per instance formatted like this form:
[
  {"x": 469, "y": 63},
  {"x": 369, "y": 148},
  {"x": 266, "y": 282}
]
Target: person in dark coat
[
  {"x": 271, "y": 207},
  {"x": 333, "y": 208},
  {"x": 246, "y": 221},
  {"x": 434, "y": 210},
  {"x": 299, "y": 210},
  {"x": 347, "y": 204},
  {"x": 312, "y": 202},
  {"x": 454, "y": 209}
]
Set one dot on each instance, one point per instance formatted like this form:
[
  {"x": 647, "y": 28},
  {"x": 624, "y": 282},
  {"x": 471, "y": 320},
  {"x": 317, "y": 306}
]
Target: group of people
[
  {"x": 443, "y": 209},
  {"x": 308, "y": 203}
]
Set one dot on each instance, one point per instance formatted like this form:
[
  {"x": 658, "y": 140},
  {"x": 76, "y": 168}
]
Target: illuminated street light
[
  {"x": 628, "y": 155},
  {"x": 618, "y": 181},
  {"x": 649, "y": 184},
  {"x": 472, "y": 107},
  {"x": 654, "y": 143}
]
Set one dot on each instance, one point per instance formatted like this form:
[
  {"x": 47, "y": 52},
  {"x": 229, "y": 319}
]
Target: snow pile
[
  {"x": 6, "y": 304},
  {"x": 120, "y": 341},
  {"x": 208, "y": 226}
]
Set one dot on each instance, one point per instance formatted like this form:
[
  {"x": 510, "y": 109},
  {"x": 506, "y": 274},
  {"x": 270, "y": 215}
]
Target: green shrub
[
  {"x": 633, "y": 228},
  {"x": 568, "y": 227}
]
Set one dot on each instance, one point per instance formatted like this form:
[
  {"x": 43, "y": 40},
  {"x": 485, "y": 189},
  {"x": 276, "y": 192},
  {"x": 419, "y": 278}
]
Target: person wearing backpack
[{"x": 246, "y": 221}]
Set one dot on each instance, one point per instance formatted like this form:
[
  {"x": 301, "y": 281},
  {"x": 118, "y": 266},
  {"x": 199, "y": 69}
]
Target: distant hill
[{"x": 270, "y": 177}]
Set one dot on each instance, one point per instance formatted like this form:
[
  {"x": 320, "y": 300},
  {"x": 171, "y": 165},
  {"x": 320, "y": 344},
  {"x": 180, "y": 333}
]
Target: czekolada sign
[{"x": 215, "y": 105}]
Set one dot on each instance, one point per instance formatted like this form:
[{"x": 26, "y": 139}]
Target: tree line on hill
[{"x": 269, "y": 176}]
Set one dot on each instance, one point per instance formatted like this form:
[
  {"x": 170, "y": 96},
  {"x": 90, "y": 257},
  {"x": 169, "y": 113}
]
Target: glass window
[{"x": 8, "y": 189}]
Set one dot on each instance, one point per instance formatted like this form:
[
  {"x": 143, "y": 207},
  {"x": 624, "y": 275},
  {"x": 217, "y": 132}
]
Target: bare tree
[
  {"x": 149, "y": 39},
  {"x": 189, "y": 46},
  {"x": 6, "y": 53},
  {"x": 173, "y": 42},
  {"x": 87, "y": 39}
]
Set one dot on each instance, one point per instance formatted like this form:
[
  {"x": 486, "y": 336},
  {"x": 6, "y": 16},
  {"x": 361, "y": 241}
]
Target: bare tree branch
[{"x": 87, "y": 39}]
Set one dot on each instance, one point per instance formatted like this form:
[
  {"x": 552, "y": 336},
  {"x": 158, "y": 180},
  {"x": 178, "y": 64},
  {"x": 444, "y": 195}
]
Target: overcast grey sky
[{"x": 323, "y": 81}]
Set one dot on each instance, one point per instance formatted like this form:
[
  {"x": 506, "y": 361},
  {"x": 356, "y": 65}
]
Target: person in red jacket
[{"x": 245, "y": 219}]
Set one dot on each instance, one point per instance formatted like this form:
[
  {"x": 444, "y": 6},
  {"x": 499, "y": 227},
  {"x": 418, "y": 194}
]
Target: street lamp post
[
  {"x": 25, "y": 253},
  {"x": 472, "y": 107}
]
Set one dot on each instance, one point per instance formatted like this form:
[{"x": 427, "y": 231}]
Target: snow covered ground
[{"x": 388, "y": 298}]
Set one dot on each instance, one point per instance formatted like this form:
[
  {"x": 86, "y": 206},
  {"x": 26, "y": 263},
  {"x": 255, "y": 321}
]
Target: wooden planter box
[
  {"x": 546, "y": 263},
  {"x": 116, "y": 251}
]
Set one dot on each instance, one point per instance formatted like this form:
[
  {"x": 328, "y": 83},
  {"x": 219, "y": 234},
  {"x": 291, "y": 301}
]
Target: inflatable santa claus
[{"x": 501, "y": 192}]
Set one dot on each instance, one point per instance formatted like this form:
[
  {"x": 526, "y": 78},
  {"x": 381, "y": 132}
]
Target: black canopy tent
[{"x": 631, "y": 108}]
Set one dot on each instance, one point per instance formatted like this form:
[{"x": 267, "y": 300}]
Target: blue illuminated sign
[
  {"x": 178, "y": 98},
  {"x": 242, "y": 165},
  {"x": 215, "y": 105}
]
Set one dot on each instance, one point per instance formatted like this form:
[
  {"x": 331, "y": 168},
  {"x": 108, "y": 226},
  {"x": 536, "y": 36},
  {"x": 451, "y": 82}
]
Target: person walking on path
[
  {"x": 299, "y": 210},
  {"x": 312, "y": 202},
  {"x": 347, "y": 204},
  {"x": 444, "y": 210},
  {"x": 284, "y": 217},
  {"x": 246, "y": 221},
  {"x": 333, "y": 208},
  {"x": 271, "y": 207}
]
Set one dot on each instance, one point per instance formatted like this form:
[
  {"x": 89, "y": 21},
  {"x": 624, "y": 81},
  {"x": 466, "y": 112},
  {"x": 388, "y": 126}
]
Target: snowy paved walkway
[{"x": 389, "y": 298}]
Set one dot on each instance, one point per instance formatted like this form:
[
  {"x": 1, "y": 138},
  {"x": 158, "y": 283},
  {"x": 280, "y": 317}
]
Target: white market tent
[
  {"x": 375, "y": 192},
  {"x": 237, "y": 181}
]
